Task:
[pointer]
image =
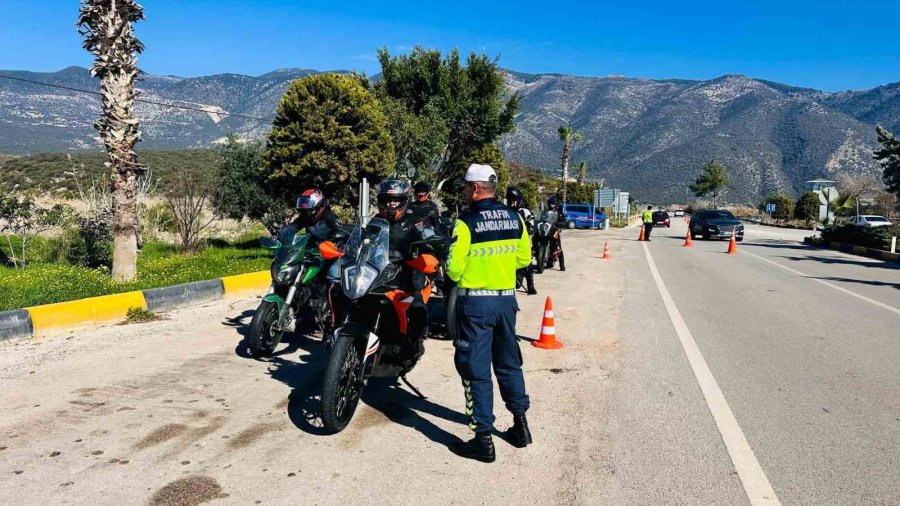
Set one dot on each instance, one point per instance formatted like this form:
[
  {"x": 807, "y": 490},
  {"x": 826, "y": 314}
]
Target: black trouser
[
  {"x": 528, "y": 274},
  {"x": 648, "y": 227}
]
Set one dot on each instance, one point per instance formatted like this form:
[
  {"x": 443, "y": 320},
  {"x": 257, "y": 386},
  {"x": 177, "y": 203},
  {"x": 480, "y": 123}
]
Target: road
[{"x": 788, "y": 354}]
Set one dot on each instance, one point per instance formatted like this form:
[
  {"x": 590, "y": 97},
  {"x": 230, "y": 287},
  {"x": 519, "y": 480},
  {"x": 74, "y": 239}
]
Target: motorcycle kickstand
[{"x": 411, "y": 387}]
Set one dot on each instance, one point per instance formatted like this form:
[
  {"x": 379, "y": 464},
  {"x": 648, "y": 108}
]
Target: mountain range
[{"x": 647, "y": 136}]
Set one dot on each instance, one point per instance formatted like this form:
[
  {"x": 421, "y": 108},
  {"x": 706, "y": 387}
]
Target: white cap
[{"x": 480, "y": 173}]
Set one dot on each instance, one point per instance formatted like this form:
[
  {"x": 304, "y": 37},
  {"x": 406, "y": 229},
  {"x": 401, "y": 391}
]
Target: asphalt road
[{"x": 722, "y": 379}]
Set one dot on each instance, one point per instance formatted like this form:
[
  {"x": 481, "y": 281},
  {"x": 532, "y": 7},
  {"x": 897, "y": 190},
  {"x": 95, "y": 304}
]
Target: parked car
[
  {"x": 716, "y": 224},
  {"x": 661, "y": 219},
  {"x": 678, "y": 213},
  {"x": 870, "y": 220},
  {"x": 583, "y": 216}
]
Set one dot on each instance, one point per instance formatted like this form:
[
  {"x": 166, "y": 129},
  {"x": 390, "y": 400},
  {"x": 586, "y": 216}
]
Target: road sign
[{"x": 770, "y": 208}]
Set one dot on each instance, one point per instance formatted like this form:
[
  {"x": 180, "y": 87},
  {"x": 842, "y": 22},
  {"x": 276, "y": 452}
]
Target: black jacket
[{"x": 426, "y": 211}]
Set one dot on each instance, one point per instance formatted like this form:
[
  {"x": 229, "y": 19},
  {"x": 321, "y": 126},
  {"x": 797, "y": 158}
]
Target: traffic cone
[
  {"x": 688, "y": 242},
  {"x": 548, "y": 340},
  {"x": 732, "y": 245},
  {"x": 641, "y": 236},
  {"x": 606, "y": 255}
]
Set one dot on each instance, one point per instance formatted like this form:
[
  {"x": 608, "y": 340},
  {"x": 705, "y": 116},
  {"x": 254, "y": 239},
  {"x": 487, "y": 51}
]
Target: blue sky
[{"x": 831, "y": 45}]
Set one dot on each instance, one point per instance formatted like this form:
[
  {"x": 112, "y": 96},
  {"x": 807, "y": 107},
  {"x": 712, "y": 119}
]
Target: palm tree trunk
[
  {"x": 107, "y": 26},
  {"x": 565, "y": 168}
]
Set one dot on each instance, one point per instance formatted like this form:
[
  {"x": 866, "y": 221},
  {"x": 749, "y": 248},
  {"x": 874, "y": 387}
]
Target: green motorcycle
[{"x": 297, "y": 284}]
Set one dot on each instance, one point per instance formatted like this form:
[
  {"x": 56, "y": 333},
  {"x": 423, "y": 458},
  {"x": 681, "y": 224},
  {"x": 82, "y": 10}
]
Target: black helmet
[
  {"x": 515, "y": 197},
  {"x": 393, "y": 197},
  {"x": 311, "y": 206},
  {"x": 553, "y": 202},
  {"x": 422, "y": 187}
]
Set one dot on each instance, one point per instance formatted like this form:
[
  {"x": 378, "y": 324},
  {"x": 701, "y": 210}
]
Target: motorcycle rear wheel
[
  {"x": 342, "y": 385},
  {"x": 262, "y": 339}
]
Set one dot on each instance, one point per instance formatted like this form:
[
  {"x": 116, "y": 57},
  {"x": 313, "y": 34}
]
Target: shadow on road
[
  {"x": 304, "y": 377},
  {"x": 404, "y": 408},
  {"x": 846, "y": 261},
  {"x": 860, "y": 281}
]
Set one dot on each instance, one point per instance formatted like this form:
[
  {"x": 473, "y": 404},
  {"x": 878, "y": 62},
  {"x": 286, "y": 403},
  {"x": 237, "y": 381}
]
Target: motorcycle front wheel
[
  {"x": 541, "y": 258},
  {"x": 262, "y": 338},
  {"x": 450, "y": 305},
  {"x": 343, "y": 384}
]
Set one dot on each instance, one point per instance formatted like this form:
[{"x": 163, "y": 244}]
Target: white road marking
[
  {"x": 756, "y": 484},
  {"x": 826, "y": 283}
]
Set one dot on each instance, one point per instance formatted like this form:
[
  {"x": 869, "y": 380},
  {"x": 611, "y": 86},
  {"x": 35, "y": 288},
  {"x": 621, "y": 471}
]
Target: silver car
[{"x": 870, "y": 220}]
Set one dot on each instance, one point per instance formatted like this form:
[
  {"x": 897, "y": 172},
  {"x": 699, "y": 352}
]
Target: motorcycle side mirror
[
  {"x": 270, "y": 243},
  {"x": 329, "y": 251}
]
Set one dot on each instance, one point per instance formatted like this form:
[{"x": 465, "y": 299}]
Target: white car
[
  {"x": 870, "y": 220},
  {"x": 678, "y": 212}
]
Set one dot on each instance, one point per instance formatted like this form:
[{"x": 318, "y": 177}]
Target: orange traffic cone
[
  {"x": 606, "y": 255},
  {"x": 548, "y": 340},
  {"x": 688, "y": 241},
  {"x": 641, "y": 236},
  {"x": 732, "y": 245}
]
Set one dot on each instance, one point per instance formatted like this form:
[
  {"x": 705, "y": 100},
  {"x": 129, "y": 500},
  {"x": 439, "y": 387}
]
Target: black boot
[
  {"x": 480, "y": 447},
  {"x": 518, "y": 435}
]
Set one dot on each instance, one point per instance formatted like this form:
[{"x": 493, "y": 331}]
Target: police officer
[
  {"x": 647, "y": 219},
  {"x": 490, "y": 243}
]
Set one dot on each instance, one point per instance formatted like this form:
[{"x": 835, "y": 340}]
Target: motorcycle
[
  {"x": 546, "y": 242},
  {"x": 369, "y": 343},
  {"x": 296, "y": 285}
]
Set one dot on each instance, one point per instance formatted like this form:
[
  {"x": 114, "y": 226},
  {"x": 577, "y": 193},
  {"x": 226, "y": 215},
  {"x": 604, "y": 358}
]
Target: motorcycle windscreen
[
  {"x": 291, "y": 253},
  {"x": 365, "y": 256},
  {"x": 549, "y": 216}
]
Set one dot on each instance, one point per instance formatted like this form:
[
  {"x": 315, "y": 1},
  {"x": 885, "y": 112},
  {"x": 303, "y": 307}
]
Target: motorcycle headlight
[
  {"x": 358, "y": 280},
  {"x": 284, "y": 275},
  {"x": 544, "y": 228}
]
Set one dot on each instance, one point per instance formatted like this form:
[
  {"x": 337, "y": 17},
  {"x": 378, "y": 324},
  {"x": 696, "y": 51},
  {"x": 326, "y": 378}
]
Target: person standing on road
[
  {"x": 423, "y": 207},
  {"x": 489, "y": 243},
  {"x": 516, "y": 200},
  {"x": 648, "y": 222}
]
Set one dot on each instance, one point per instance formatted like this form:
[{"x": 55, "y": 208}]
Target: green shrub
[
  {"x": 92, "y": 246},
  {"x": 807, "y": 207},
  {"x": 874, "y": 237},
  {"x": 140, "y": 315}
]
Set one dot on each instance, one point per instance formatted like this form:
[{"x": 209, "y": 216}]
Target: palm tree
[
  {"x": 107, "y": 28},
  {"x": 569, "y": 137},
  {"x": 582, "y": 173},
  {"x": 842, "y": 203}
]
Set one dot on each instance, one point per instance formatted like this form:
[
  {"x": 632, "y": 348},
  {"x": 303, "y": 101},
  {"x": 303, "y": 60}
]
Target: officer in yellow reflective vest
[
  {"x": 490, "y": 242},
  {"x": 647, "y": 218}
]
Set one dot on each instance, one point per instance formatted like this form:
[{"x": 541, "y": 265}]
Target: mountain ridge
[{"x": 647, "y": 135}]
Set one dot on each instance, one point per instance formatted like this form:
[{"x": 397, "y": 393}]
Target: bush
[
  {"x": 784, "y": 206},
  {"x": 877, "y": 237},
  {"x": 807, "y": 207},
  {"x": 92, "y": 247}
]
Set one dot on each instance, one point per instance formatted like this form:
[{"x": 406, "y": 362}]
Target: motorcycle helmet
[
  {"x": 393, "y": 197},
  {"x": 515, "y": 197},
  {"x": 311, "y": 206},
  {"x": 421, "y": 190},
  {"x": 553, "y": 203}
]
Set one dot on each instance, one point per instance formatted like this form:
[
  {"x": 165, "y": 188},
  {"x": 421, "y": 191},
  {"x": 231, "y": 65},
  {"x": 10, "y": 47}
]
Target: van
[{"x": 583, "y": 216}]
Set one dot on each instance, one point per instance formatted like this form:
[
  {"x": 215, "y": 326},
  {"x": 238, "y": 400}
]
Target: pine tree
[
  {"x": 329, "y": 132},
  {"x": 889, "y": 158},
  {"x": 711, "y": 182}
]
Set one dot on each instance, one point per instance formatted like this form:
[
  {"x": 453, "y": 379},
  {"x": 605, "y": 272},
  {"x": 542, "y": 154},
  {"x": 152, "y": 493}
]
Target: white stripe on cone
[
  {"x": 548, "y": 314},
  {"x": 548, "y": 330}
]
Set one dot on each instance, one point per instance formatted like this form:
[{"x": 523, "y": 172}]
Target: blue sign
[{"x": 770, "y": 208}]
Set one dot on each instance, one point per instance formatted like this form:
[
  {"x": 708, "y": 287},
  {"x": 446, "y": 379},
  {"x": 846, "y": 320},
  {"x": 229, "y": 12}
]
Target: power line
[{"x": 144, "y": 101}]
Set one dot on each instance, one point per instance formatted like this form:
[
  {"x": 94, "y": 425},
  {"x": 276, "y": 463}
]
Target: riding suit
[{"x": 528, "y": 271}]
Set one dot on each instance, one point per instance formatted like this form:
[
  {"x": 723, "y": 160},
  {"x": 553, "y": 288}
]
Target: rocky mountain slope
[{"x": 649, "y": 136}]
